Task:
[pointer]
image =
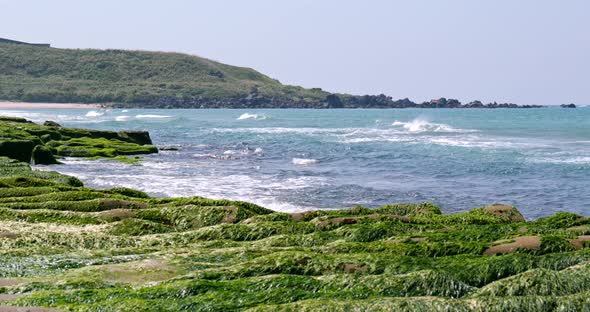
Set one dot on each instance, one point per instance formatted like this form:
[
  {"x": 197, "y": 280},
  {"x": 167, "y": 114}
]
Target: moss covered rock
[
  {"x": 17, "y": 149},
  {"x": 50, "y": 123},
  {"x": 504, "y": 212},
  {"x": 43, "y": 156},
  {"x": 138, "y": 137},
  {"x": 74, "y": 248},
  {"x": 18, "y": 137}
]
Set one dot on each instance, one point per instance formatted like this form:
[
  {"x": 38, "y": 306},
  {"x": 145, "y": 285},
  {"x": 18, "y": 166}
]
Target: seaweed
[{"x": 70, "y": 247}]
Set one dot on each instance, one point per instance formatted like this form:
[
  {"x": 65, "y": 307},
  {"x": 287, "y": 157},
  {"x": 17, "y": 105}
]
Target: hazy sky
[{"x": 523, "y": 51}]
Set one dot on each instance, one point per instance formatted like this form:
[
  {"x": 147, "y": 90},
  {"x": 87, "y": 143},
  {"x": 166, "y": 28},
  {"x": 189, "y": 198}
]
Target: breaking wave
[
  {"x": 122, "y": 118},
  {"x": 251, "y": 116},
  {"x": 423, "y": 125},
  {"x": 94, "y": 114},
  {"x": 151, "y": 116},
  {"x": 304, "y": 161}
]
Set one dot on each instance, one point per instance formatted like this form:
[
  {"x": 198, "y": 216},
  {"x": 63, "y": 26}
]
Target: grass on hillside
[{"x": 39, "y": 74}]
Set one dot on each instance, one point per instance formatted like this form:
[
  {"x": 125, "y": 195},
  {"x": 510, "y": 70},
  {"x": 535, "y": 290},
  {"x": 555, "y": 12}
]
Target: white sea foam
[
  {"x": 451, "y": 139},
  {"x": 304, "y": 161},
  {"x": 251, "y": 116},
  {"x": 159, "y": 179},
  {"x": 575, "y": 160},
  {"x": 151, "y": 116},
  {"x": 94, "y": 113},
  {"x": 296, "y": 183},
  {"x": 122, "y": 118},
  {"x": 204, "y": 155},
  {"x": 40, "y": 117},
  {"x": 258, "y": 151},
  {"x": 283, "y": 130},
  {"x": 125, "y": 111},
  {"x": 411, "y": 133},
  {"x": 201, "y": 146},
  {"x": 423, "y": 125}
]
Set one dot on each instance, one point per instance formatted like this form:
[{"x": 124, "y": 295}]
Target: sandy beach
[{"x": 24, "y": 105}]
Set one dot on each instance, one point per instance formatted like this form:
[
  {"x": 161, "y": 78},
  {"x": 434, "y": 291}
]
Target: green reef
[
  {"x": 66, "y": 247},
  {"x": 26, "y": 141}
]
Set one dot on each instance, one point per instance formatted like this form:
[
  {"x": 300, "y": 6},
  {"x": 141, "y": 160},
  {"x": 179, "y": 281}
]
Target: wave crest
[
  {"x": 94, "y": 114},
  {"x": 304, "y": 161},
  {"x": 245, "y": 116},
  {"x": 151, "y": 116},
  {"x": 423, "y": 125}
]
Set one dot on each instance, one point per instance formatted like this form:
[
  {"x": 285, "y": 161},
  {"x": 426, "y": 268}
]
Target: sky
[{"x": 524, "y": 51}]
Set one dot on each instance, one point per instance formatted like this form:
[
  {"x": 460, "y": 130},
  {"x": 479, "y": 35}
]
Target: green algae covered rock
[
  {"x": 138, "y": 137},
  {"x": 504, "y": 212},
  {"x": 17, "y": 149},
  {"x": 72, "y": 248},
  {"x": 80, "y": 249},
  {"x": 409, "y": 209},
  {"x": 18, "y": 138},
  {"x": 92, "y": 147},
  {"x": 50, "y": 123},
  {"x": 43, "y": 156}
]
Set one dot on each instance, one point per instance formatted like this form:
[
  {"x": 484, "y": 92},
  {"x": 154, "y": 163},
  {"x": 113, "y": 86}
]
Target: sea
[{"x": 296, "y": 160}]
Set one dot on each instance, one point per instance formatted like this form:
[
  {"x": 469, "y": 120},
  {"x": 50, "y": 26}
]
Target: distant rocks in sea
[
  {"x": 572, "y": 105},
  {"x": 331, "y": 101},
  {"x": 383, "y": 101}
]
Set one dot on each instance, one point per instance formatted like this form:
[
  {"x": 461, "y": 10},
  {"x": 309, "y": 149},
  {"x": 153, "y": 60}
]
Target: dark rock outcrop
[
  {"x": 43, "y": 156},
  {"x": 334, "y": 101},
  {"x": 257, "y": 100},
  {"x": 26, "y": 141},
  {"x": 50, "y": 123},
  {"x": 17, "y": 149},
  {"x": 572, "y": 105},
  {"x": 137, "y": 137}
]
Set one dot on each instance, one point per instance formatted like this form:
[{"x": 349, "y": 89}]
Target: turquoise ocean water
[{"x": 293, "y": 160}]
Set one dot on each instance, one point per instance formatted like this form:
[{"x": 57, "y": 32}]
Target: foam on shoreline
[{"x": 26, "y": 105}]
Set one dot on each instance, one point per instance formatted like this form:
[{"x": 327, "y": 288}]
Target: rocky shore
[
  {"x": 26, "y": 141},
  {"x": 330, "y": 101},
  {"x": 67, "y": 247}
]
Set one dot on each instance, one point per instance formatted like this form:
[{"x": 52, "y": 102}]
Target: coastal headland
[
  {"x": 142, "y": 79},
  {"x": 69, "y": 247}
]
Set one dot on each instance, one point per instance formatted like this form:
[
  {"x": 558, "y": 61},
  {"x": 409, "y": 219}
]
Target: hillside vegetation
[
  {"x": 67, "y": 247},
  {"x": 41, "y": 74},
  {"x": 145, "y": 79}
]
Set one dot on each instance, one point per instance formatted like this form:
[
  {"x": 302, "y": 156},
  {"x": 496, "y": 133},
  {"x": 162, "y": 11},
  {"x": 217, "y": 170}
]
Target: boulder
[
  {"x": 50, "y": 123},
  {"x": 17, "y": 149},
  {"x": 510, "y": 246},
  {"x": 43, "y": 156},
  {"x": 138, "y": 137},
  {"x": 504, "y": 212}
]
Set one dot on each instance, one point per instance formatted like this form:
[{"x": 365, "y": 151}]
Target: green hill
[
  {"x": 123, "y": 78},
  {"x": 42, "y": 74}
]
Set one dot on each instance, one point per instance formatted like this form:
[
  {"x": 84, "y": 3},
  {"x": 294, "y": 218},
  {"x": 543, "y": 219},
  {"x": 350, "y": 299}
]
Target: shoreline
[
  {"x": 43, "y": 105},
  {"x": 227, "y": 255},
  {"x": 29, "y": 105}
]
